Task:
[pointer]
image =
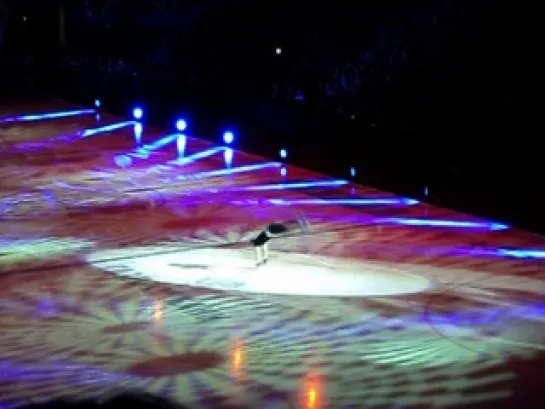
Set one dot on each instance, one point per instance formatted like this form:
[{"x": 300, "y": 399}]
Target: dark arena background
[{"x": 144, "y": 144}]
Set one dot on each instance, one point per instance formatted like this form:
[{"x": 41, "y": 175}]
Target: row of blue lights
[
  {"x": 181, "y": 125},
  {"x": 181, "y": 140},
  {"x": 43, "y": 116},
  {"x": 228, "y": 136}
]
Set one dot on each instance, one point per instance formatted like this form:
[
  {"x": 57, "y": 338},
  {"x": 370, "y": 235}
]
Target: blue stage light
[
  {"x": 386, "y": 201},
  {"x": 138, "y": 130},
  {"x": 353, "y": 171},
  {"x": 283, "y": 171},
  {"x": 198, "y": 156},
  {"x": 295, "y": 185},
  {"x": 283, "y": 153},
  {"x": 181, "y": 125},
  {"x": 446, "y": 223},
  {"x": 181, "y": 144},
  {"x": 228, "y": 137},
  {"x": 137, "y": 113},
  {"x": 144, "y": 151},
  {"x": 97, "y": 103},
  {"x": 49, "y": 115},
  {"x": 521, "y": 253},
  {"x": 229, "y": 171},
  {"x": 104, "y": 129},
  {"x": 228, "y": 155}
]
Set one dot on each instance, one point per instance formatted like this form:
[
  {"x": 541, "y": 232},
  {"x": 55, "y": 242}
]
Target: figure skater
[{"x": 275, "y": 230}]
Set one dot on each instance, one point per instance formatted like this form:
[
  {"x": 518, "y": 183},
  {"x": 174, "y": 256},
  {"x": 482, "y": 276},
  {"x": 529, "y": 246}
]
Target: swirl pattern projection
[{"x": 141, "y": 278}]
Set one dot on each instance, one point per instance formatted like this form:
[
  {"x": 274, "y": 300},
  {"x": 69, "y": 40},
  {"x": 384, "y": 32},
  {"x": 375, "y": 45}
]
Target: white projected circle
[{"x": 286, "y": 273}]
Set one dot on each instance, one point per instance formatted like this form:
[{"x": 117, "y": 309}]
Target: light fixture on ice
[
  {"x": 228, "y": 137},
  {"x": 181, "y": 125},
  {"x": 181, "y": 144},
  {"x": 138, "y": 131},
  {"x": 137, "y": 113},
  {"x": 228, "y": 156}
]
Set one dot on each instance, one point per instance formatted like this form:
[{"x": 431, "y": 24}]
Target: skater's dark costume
[{"x": 273, "y": 230}]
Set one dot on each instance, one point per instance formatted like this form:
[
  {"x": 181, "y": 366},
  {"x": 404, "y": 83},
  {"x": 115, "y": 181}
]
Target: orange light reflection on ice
[
  {"x": 158, "y": 308},
  {"x": 311, "y": 391},
  {"x": 237, "y": 362},
  {"x": 311, "y": 398}
]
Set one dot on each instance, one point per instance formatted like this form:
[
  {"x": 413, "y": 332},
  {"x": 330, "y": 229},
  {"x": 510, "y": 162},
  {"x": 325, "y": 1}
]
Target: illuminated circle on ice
[{"x": 286, "y": 273}]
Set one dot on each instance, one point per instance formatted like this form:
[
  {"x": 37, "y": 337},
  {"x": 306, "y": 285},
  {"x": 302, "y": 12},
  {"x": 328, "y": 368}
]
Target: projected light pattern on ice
[{"x": 136, "y": 271}]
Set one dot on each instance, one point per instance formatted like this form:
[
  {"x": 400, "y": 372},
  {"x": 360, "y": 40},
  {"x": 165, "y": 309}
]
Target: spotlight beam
[
  {"x": 444, "y": 223},
  {"x": 144, "y": 151},
  {"x": 197, "y": 156},
  {"x": 72, "y": 137},
  {"x": 509, "y": 253},
  {"x": 347, "y": 202},
  {"x": 359, "y": 221},
  {"x": 106, "y": 128},
  {"x": 294, "y": 185},
  {"x": 44, "y": 116},
  {"x": 231, "y": 171}
]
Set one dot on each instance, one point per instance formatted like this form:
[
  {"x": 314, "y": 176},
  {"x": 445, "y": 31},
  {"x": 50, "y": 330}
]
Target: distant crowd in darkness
[{"x": 144, "y": 38}]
